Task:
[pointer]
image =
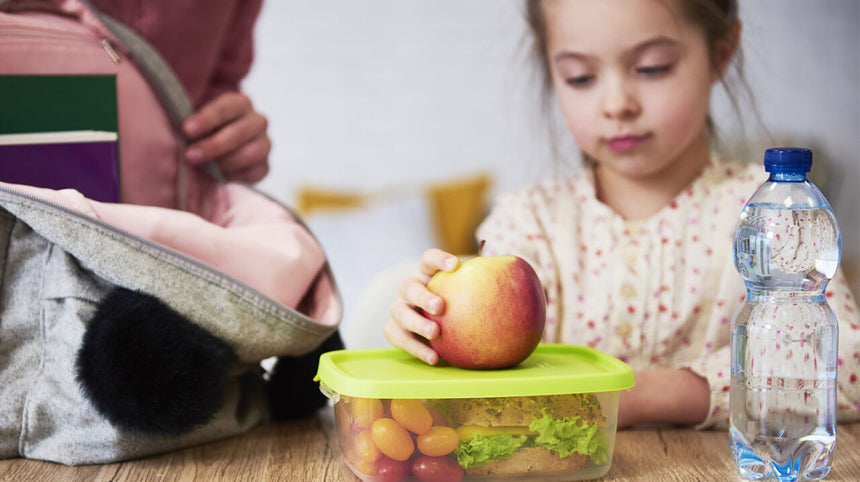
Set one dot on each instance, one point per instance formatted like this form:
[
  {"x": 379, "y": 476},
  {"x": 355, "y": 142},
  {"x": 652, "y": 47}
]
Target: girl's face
[{"x": 634, "y": 79}]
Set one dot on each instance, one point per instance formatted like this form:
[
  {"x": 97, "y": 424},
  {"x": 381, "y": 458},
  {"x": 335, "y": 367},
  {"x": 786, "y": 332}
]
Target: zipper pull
[{"x": 106, "y": 44}]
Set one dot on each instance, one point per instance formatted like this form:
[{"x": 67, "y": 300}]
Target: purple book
[{"x": 83, "y": 160}]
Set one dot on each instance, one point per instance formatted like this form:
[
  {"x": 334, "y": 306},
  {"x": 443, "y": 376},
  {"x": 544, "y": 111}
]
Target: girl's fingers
[
  {"x": 249, "y": 163},
  {"x": 435, "y": 259},
  {"x": 230, "y": 137},
  {"x": 405, "y": 316},
  {"x": 414, "y": 292},
  {"x": 221, "y": 110},
  {"x": 406, "y": 341},
  {"x": 251, "y": 174}
]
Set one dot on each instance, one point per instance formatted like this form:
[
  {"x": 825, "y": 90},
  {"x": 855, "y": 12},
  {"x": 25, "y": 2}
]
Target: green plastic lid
[{"x": 551, "y": 370}]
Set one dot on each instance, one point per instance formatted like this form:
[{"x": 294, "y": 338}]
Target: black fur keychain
[
  {"x": 291, "y": 389},
  {"x": 146, "y": 368}
]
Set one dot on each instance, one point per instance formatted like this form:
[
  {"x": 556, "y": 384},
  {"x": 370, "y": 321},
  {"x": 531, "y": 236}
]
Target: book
[
  {"x": 61, "y": 131},
  {"x": 54, "y": 103},
  {"x": 82, "y": 160}
]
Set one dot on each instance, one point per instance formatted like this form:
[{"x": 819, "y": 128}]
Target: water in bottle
[{"x": 784, "y": 336}]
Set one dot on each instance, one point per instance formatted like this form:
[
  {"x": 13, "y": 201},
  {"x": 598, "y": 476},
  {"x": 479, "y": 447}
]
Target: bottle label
[{"x": 753, "y": 253}]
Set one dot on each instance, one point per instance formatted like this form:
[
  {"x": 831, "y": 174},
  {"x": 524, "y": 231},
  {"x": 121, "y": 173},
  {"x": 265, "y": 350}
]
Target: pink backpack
[{"x": 222, "y": 262}]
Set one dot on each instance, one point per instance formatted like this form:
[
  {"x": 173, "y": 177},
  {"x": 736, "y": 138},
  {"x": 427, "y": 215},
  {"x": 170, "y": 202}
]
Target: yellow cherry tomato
[
  {"x": 347, "y": 448},
  {"x": 412, "y": 414},
  {"x": 365, "y": 411},
  {"x": 368, "y": 468},
  {"x": 365, "y": 446},
  {"x": 438, "y": 441},
  {"x": 392, "y": 439}
]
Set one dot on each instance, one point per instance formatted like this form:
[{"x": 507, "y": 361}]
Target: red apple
[{"x": 495, "y": 312}]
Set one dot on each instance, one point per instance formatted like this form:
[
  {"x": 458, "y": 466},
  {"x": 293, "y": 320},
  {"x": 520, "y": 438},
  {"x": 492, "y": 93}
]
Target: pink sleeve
[{"x": 237, "y": 55}]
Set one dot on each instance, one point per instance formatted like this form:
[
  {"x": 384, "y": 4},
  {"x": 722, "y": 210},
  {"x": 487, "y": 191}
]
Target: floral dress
[{"x": 656, "y": 293}]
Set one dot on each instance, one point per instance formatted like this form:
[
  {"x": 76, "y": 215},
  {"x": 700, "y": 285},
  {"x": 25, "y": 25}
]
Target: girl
[{"x": 634, "y": 251}]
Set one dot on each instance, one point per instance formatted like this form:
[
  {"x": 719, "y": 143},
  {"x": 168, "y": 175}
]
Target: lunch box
[{"x": 552, "y": 417}]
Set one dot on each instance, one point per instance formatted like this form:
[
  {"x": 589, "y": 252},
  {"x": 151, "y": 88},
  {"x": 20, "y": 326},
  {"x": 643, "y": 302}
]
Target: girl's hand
[
  {"x": 407, "y": 329},
  {"x": 230, "y": 132},
  {"x": 675, "y": 396}
]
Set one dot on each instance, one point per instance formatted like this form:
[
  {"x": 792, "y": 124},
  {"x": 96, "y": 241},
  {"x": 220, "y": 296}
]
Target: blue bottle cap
[{"x": 788, "y": 160}]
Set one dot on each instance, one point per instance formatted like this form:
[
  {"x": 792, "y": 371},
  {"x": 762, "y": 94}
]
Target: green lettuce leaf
[
  {"x": 567, "y": 435},
  {"x": 480, "y": 450}
]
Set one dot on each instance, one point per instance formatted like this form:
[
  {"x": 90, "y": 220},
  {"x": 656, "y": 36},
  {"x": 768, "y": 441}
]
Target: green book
[
  {"x": 53, "y": 103},
  {"x": 60, "y": 131}
]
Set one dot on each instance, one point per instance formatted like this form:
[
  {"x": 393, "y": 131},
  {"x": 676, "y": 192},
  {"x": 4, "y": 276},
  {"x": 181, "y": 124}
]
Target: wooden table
[{"x": 307, "y": 451}]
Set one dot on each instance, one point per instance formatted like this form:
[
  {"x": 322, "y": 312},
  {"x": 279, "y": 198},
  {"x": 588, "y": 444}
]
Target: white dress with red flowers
[{"x": 656, "y": 293}]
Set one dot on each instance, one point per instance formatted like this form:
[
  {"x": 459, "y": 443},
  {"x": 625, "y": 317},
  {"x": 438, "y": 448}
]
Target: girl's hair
[{"x": 716, "y": 18}]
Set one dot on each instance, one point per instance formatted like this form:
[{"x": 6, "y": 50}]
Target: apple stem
[{"x": 481, "y": 246}]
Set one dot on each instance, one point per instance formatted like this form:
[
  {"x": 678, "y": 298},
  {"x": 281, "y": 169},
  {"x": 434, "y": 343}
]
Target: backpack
[{"x": 133, "y": 328}]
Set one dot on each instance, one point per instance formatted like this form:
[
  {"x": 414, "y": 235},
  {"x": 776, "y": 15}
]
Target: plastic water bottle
[{"x": 787, "y": 246}]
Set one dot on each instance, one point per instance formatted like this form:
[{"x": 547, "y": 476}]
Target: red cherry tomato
[
  {"x": 390, "y": 470},
  {"x": 440, "y": 469}
]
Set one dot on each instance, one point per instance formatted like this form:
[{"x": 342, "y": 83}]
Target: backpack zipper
[{"x": 108, "y": 47}]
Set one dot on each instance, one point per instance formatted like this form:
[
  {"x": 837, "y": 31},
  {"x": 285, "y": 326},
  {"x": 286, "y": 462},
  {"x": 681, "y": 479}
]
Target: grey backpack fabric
[
  {"x": 113, "y": 347},
  {"x": 57, "y": 268}
]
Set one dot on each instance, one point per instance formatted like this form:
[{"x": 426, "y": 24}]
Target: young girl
[{"x": 634, "y": 251}]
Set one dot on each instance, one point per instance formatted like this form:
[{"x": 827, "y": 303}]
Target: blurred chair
[
  {"x": 454, "y": 208},
  {"x": 457, "y": 208},
  {"x": 364, "y": 327}
]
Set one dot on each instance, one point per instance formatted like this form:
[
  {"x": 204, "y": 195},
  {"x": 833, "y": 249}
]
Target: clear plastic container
[{"x": 552, "y": 417}]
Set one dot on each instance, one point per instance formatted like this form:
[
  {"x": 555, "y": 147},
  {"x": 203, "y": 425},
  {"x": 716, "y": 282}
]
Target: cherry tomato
[
  {"x": 347, "y": 448},
  {"x": 365, "y": 411},
  {"x": 392, "y": 439},
  {"x": 343, "y": 411},
  {"x": 438, "y": 417},
  {"x": 437, "y": 469},
  {"x": 438, "y": 441},
  {"x": 389, "y": 470},
  {"x": 367, "y": 468},
  {"x": 343, "y": 415},
  {"x": 365, "y": 446},
  {"x": 411, "y": 414}
]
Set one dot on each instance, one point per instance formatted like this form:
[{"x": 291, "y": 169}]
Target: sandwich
[{"x": 519, "y": 435}]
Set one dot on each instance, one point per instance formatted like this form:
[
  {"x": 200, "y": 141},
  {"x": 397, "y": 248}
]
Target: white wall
[{"x": 371, "y": 94}]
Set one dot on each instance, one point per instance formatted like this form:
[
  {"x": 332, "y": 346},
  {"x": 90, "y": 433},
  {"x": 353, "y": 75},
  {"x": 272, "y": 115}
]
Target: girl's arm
[{"x": 665, "y": 396}]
